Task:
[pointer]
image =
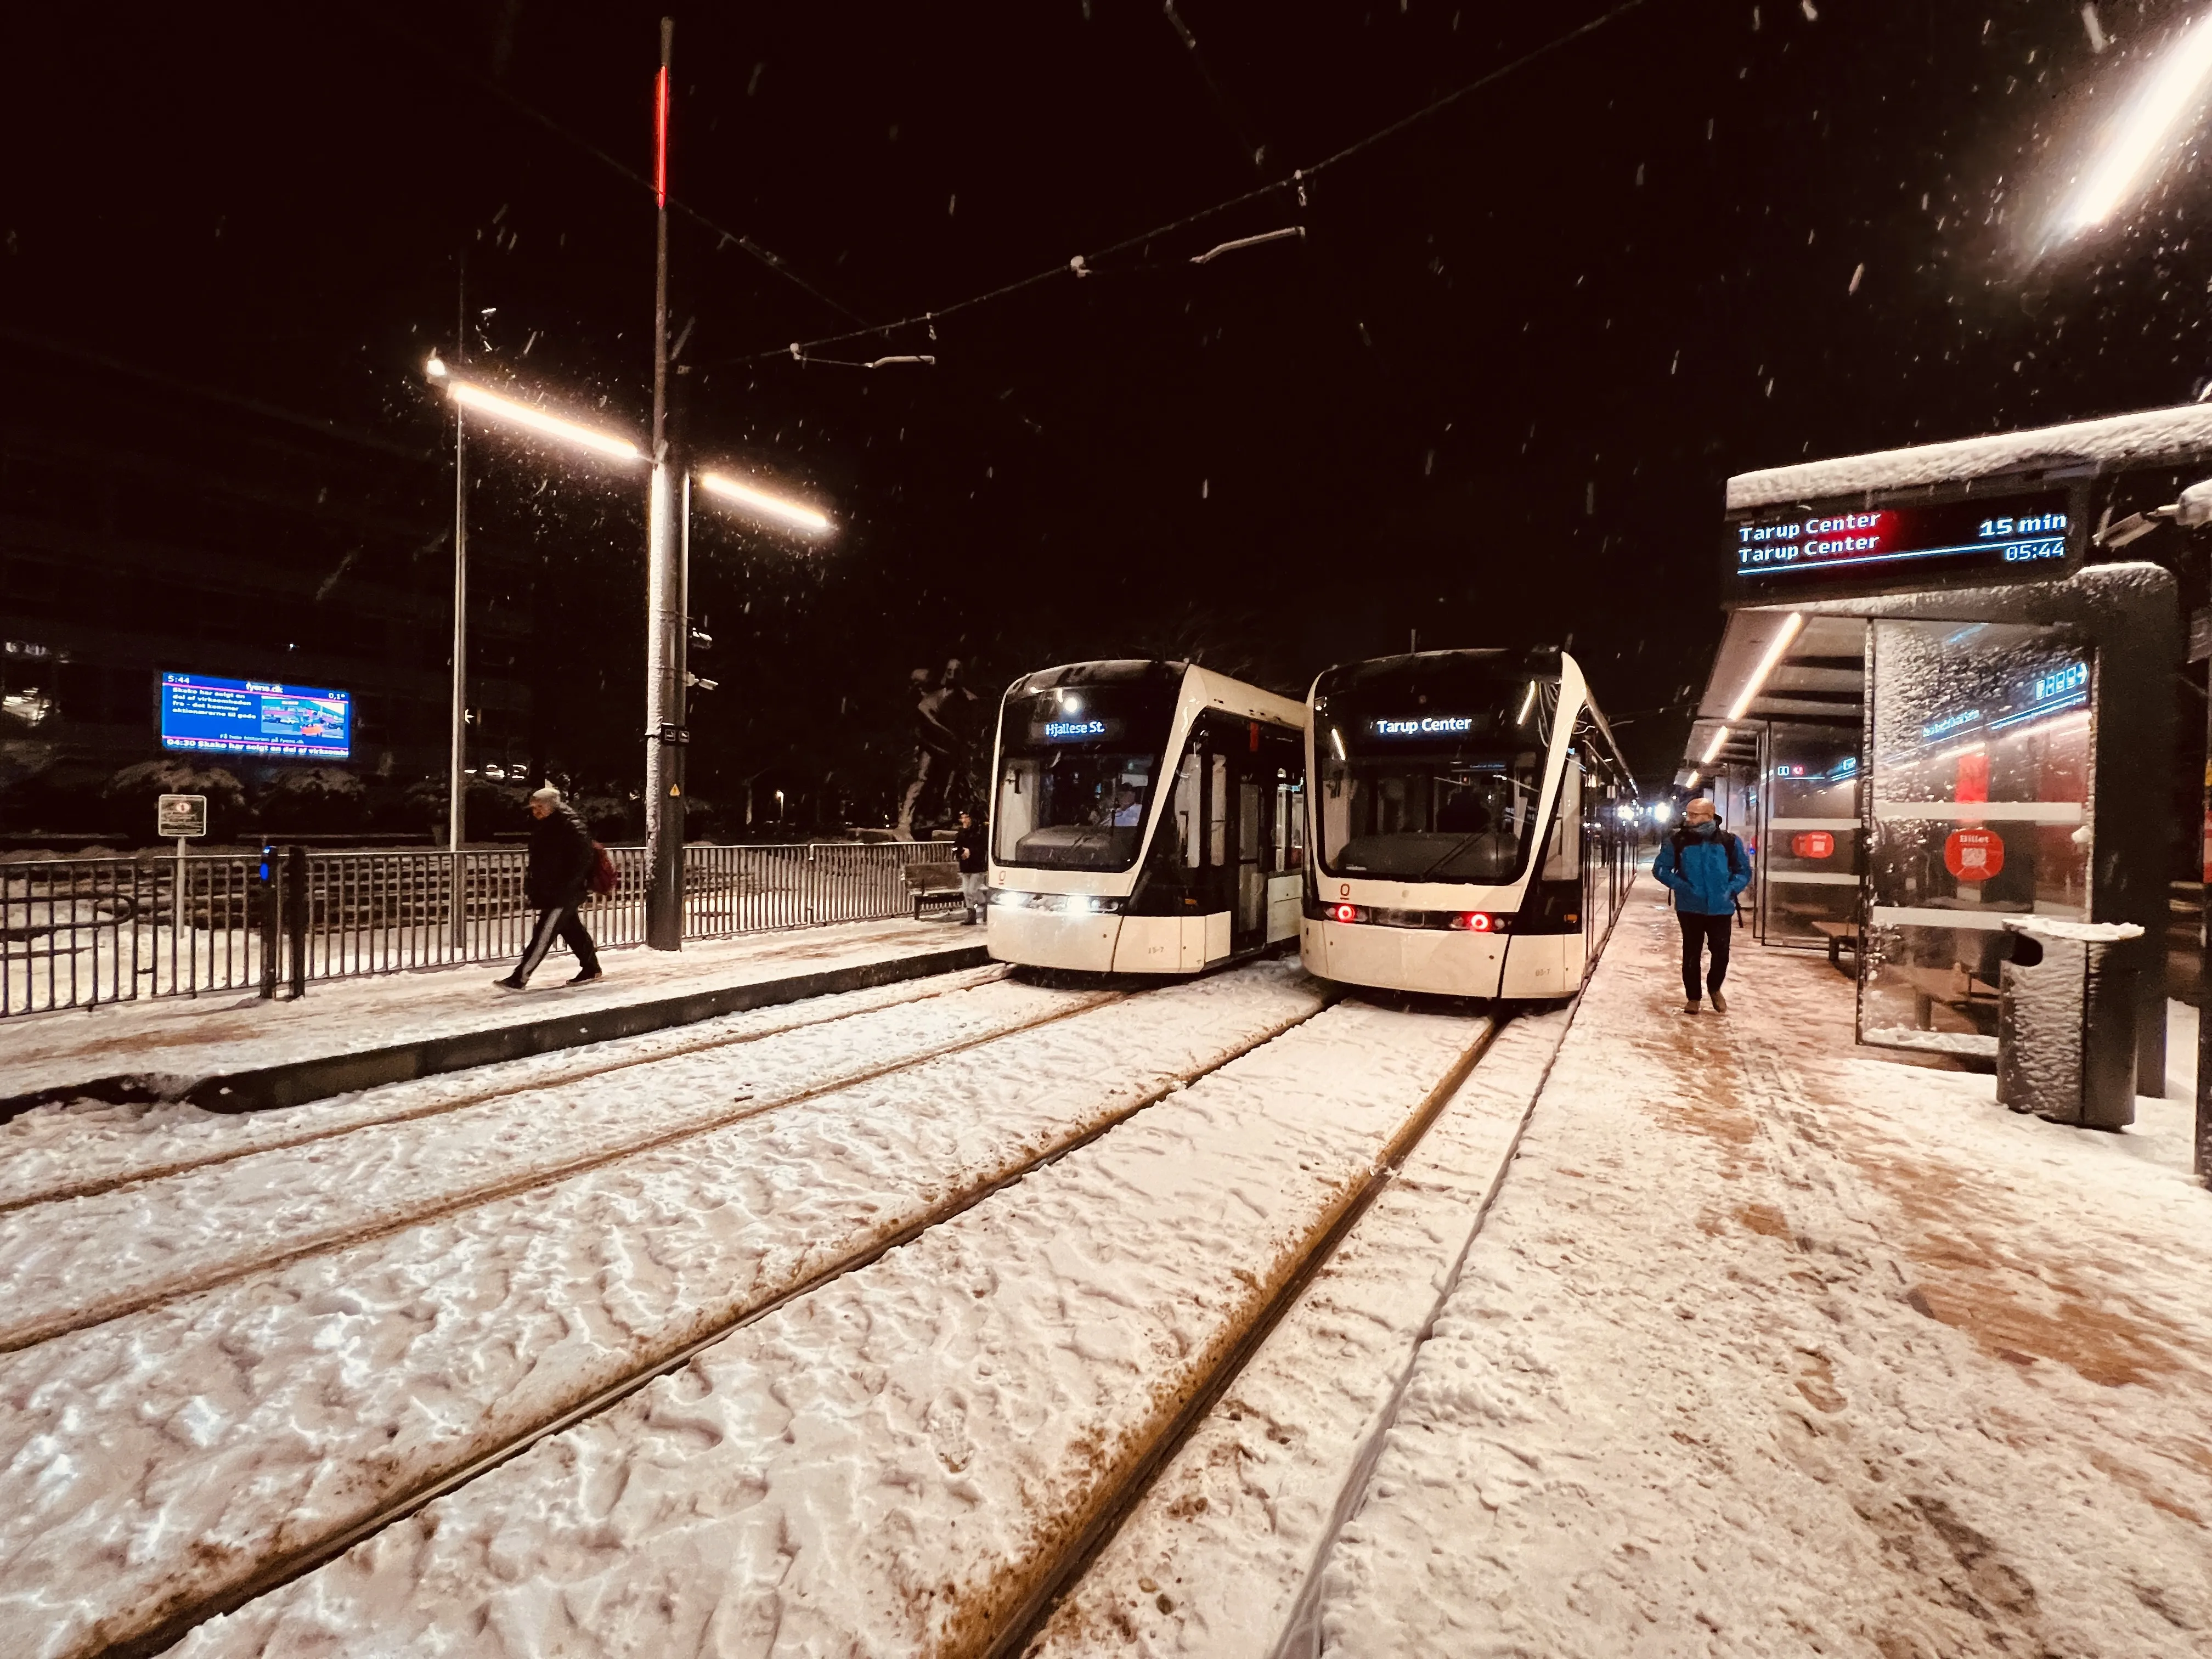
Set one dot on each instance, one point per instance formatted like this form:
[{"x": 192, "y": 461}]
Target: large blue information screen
[{"x": 255, "y": 717}]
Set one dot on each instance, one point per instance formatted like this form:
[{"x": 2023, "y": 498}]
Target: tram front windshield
[
  {"x": 1076, "y": 771},
  {"x": 1409, "y": 795}
]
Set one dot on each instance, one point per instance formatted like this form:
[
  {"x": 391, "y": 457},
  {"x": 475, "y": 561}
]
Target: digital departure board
[
  {"x": 202, "y": 714},
  {"x": 2029, "y": 538}
]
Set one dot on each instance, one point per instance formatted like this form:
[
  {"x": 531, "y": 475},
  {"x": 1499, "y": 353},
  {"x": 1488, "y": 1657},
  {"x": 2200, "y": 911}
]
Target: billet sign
[{"x": 177, "y": 817}]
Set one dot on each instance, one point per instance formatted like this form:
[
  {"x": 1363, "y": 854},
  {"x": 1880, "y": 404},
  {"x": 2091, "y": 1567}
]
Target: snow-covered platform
[
  {"x": 229, "y": 1052},
  {"x": 1773, "y": 1345}
]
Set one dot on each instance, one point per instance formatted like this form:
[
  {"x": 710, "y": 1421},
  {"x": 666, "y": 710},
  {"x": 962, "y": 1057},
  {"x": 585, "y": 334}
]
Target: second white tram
[
  {"x": 1146, "y": 817},
  {"x": 1467, "y": 833}
]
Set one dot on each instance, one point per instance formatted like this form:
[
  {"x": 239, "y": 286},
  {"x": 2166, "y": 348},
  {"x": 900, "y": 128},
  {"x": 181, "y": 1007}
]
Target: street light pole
[
  {"x": 456, "y": 799},
  {"x": 665, "y": 735}
]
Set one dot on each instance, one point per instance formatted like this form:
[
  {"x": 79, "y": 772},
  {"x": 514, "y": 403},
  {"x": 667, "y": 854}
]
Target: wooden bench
[
  {"x": 1842, "y": 936},
  {"x": 933, "y": 885}
]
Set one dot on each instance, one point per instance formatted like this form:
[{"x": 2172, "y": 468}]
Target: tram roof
[{"x": 2115, "y": 443}]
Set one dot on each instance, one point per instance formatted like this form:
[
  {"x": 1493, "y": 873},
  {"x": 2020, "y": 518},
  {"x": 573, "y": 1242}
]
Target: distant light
[
  {"x": 792, "y": 512},
  {"x": 1758, "y": 681},
  {"x": 1072, "y": 705},
  {"x": 2170, "y": 92},
  {"x": 435, "y": 368},
  {"x": 1661, "y": 811},
  {"x": 537, "y": 420},
  {"x": 1336, "y": 740},
  {"x": 1714, "y": 747},
  {"x": 1527, "y": 704}
]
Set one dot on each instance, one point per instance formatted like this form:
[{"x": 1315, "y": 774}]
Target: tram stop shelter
[{"x": 1944, "y": 696}]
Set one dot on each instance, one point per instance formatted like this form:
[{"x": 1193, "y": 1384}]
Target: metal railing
[{"x": 77, "y": 932}]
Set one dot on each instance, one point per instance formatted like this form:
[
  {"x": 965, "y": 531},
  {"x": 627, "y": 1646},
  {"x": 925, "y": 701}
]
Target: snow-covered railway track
[
  {"x": 61, "y": 1165},
  {"x": 913, "y": 1454},
  {"x": 158, "y": 1241},
  {"x": 184, "y": 1458}
]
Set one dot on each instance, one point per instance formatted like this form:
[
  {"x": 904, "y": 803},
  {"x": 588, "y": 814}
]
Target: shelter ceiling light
[
  {"x": 508, "y": 411},
  {"x": 1714, "y": 747},
  {"x": 1790, "y": 627},
  {"x": 2171, "y": 91},
  {"x": 796, "y": 513}
]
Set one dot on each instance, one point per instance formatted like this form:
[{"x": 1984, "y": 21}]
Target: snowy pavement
[
  {"x": 162, "y": 1459},
  {"x": 897, "y": 1461},
  {"x": 188, "y": 1037},
  {"x": 1772, "y": 1346}
]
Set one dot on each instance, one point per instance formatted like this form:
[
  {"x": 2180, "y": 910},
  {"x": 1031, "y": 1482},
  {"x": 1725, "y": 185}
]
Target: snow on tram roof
[{"x": 2150, "y": 437}]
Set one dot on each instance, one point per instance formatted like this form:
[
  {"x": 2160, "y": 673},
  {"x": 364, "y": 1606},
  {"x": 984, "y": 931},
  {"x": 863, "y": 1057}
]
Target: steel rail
[{"x": 284, "y": 1569}]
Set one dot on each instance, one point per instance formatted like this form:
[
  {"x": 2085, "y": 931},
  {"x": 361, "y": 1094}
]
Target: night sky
[{"x": 1491, "y": 395}]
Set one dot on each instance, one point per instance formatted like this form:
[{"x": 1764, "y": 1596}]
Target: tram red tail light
[
  {"x": 1347, "y": 913},
  {"x": 1481, "y": 922}
]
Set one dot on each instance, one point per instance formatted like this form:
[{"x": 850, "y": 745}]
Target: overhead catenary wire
[{"x": 1085, "y": 265}]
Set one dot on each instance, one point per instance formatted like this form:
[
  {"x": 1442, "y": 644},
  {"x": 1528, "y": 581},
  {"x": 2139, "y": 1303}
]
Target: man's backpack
[{"x": 603, "y": 878}]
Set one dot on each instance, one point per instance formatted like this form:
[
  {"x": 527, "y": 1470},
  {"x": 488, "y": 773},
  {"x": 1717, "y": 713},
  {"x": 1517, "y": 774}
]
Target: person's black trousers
[
  {"x": 565, "y": 922},
  {"x": 1698, "y": 933}
]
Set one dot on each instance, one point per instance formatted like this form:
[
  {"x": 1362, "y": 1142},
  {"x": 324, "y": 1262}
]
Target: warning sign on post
[
  {"x": 1973, "y": 854},
  {"x": 179, "y": 816}
]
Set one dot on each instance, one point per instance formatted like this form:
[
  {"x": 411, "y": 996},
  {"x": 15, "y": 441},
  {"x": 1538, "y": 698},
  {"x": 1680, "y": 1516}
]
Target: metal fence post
[
  {"x": 296, "y": 908},
  {"x": 271, "y": 893}
]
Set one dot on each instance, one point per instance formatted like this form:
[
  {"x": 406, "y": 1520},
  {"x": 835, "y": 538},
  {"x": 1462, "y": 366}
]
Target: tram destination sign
[{"x": 1992, "y": 540}]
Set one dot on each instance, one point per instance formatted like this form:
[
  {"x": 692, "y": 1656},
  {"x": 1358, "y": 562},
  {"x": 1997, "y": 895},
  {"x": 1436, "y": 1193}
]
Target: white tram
[
  {"x": 1468, "y": 833},
  {"x": 1148, "y": 817}
]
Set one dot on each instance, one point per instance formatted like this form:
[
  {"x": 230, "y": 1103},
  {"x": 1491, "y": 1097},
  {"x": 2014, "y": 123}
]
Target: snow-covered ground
[
  {"x": 65, "y": 1265},
  {"x": 1771, "y": 1346},
  {"x": 156, "y": 1460},
  {"x": 89, "y": 1145},
  {"x": 1216, "y": 1559},
  {"x": 188, "y": 1037},
  {"x": 894, "y": 1462}
]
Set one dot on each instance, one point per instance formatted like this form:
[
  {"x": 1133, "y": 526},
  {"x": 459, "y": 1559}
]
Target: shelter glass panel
[{"x": 1978, "y": 808}]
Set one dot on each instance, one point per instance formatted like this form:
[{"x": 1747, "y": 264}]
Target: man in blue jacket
[{"x": 1706, "y": 868}]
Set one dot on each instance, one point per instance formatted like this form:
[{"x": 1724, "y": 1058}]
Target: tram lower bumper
[{"x": 1438, "y": 961}]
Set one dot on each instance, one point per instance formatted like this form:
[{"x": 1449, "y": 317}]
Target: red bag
[{"x": 603, "y": 878}]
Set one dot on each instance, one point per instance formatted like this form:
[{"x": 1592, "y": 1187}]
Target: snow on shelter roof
[{"x": 2151, "y": 437}]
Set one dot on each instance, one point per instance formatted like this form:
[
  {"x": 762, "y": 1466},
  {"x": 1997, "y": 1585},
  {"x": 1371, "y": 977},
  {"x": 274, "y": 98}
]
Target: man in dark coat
[
  {"x": 971, "y": 847},
  {"x": 562, "y": 858}
]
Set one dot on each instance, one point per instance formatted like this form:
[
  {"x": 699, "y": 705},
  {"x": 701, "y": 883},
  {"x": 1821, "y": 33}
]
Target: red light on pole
[{"x": 661, "y": 137}]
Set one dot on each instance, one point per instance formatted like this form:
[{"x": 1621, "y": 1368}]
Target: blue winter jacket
[{"x": 1706, "y": 868}]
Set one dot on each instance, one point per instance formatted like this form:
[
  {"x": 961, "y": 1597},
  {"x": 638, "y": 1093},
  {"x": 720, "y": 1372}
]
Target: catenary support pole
[
  {"x": 664, "y": 642},
  {"x": 456, "y": 794},
  {"x": 2202, "y": 1164}
]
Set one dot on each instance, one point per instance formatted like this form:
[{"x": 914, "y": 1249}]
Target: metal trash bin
[{"x": 2066, "y": 1022}]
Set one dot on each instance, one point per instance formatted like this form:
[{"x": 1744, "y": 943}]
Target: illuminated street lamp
[
  {"x": 668, "y": 633},
  {"x": 467, "y": 395},
  {"x": 2172, "y": 91}
]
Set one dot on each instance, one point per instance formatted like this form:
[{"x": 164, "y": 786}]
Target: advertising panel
[{"x": 202, "y": 714}]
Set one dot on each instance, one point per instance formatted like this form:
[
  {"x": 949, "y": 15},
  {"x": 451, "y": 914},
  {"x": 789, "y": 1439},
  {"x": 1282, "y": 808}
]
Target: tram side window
[
  {"x": 1188, "y": 808},
  {"x": 1564, "y": 851},
  {"x": 1216, "y": 813},
  {"x": 1289, "y": 824}
]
